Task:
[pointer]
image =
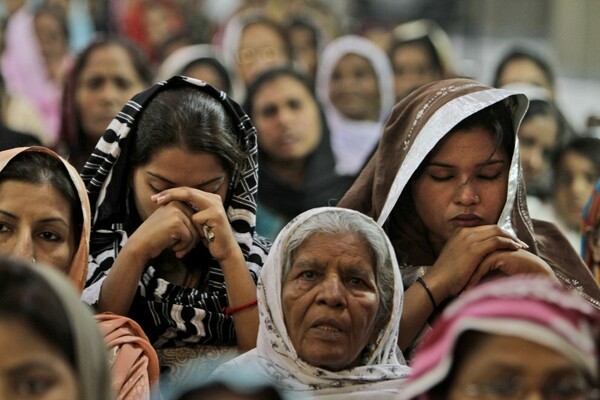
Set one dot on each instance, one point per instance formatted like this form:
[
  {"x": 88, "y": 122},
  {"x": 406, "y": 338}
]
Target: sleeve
[{"x": 104, "y": 246}]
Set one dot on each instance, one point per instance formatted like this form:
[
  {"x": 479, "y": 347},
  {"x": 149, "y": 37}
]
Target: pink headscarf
[{"x": 534, "y": 308}]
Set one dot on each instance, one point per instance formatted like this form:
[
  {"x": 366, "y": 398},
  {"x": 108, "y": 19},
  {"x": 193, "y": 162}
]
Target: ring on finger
[{"x": 208, "y": 233}]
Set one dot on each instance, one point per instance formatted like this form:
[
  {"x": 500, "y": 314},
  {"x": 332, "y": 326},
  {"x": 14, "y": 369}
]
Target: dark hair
[
  {"x": 497, "y": 118},
  {"x": 586, "y": 146},
  {"x": 261, "y": 19},
  {"x": 138, "y": 58},
  {"x": 548, "y": 109},
  {"x": 190, "y": 119},
  {"x": 426, "y": 44},
  {"x": 216, "y": 65},
  {"x": 42, "y": 168},
  {"x": 72, "y": 136},
  {"x": 270, "y": 75},
  {"x": 522, "y": 54},
  {"x": 27, "y": 297},
  {"x": 55, "y": 13},
  {"x": 303, "y": 22}
]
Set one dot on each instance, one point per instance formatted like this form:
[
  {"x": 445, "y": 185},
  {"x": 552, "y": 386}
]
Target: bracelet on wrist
[
  {"x": 428, "y": 291},
  {"x": 229, "y": 311}
]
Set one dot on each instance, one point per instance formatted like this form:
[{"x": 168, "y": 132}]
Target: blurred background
[{"x": 565, "y": 32}]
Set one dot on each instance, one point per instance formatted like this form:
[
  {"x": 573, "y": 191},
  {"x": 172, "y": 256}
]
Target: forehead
[
  {"x": 352, "y": 60},
  {"x": 334, "y": 247},
  {"x": 110, "y": 54},
  {"x": 478, "y": 140},
  {"x": 282, "y": 86},
  {"x": 178, "y": 165},
  {"x": 31, "y": 200},
  {"x": 260, "y": 33}
]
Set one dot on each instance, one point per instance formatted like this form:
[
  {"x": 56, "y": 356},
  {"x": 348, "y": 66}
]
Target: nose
[
  {"x": 109, "y": 93},
  {"x": 536, "y": 161},
  {"x": 21, "y": 247},
  {"x": 466, "y": 194},
  {"x": 331, "y": 292},
  {"x": 284, "y": 116}
]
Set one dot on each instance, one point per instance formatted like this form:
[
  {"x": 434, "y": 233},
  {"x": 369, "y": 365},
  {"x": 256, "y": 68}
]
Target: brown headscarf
[
  {"x": 78, "y": 269},
  {"x": 416, "y": 125}
]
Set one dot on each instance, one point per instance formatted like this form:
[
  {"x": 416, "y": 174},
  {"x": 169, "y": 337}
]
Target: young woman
[
  {"x": 354, "y": 85},
  {"x": 446, "y": 185},
  {"x": 509, "y": 339},
  {"x": 107, "y": 73},
  {"x": 297, "y": 167},
  {"x": 45, "y": 219},
  {"x": 60, "y": 350},
  {"x": 172, "y": 185}
]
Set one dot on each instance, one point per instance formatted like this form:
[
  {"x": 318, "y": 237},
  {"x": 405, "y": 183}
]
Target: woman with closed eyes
[{"x": 446, "y": 185}]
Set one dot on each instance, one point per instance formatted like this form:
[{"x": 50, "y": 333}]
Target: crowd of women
[{"x": 287, "y": 211}]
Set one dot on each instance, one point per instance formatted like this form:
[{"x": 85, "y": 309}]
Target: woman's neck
[{"x": 292, "y": 172}]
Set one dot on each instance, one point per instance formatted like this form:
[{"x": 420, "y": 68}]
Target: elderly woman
[
  {"x": 446, "y": 185},
  {"x": 508, "y": 339},
  {"x": 329, "y": 298}
]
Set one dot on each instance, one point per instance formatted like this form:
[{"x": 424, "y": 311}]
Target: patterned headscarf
[
  {"x": 78, "y": 268},
  {"x": 533, "y": 308},
  {"x": 106, "y": 175},
  {"x": 275, "y": 358}
]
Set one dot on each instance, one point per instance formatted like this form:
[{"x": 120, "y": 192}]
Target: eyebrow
[
  {"x": 30, "y": 365},
  {"x": 45, "y": 220},
  {"x": 162, "y": 178},
  {"x": 483, "y": 164}
]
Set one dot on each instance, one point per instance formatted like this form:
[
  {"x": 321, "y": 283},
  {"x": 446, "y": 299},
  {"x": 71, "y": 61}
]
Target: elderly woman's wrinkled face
[
  {"x": 508, "y": 367},
  {"x": 330, "y": 300},
  {"x": 464, "y": 184}
]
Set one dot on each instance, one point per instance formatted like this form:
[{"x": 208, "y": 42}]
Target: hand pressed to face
[
  {"x": 184, "y": 182},
  {"x": 330, "y": 300}
]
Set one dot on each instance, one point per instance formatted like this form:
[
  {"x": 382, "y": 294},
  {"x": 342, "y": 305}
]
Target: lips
[
  {"x": 327, "y": 329},
  {"x": 467, "y": 220}
]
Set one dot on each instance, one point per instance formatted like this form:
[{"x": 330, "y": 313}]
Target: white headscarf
[
  {"x": 275, "y": 358},
  {"x": 352, "y": 140}
]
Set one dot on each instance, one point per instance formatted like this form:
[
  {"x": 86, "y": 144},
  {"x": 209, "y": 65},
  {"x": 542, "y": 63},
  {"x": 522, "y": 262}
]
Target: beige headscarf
[
  {"x": 78, "y": 269},
  {"x": 416, "y": 125}
]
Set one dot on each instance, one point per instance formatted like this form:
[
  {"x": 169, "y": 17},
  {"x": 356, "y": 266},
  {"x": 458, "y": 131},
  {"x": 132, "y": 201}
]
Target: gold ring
[{"x": 208, "y": 233}]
